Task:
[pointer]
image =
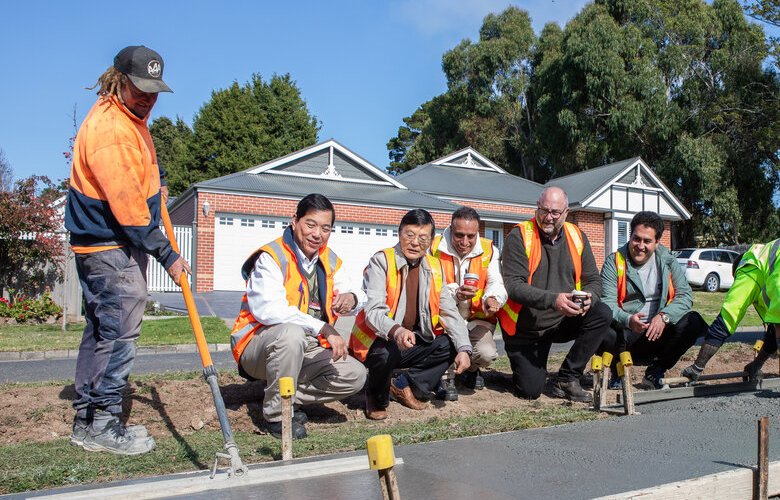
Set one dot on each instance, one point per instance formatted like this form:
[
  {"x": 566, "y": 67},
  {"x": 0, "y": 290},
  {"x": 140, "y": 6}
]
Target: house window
[
  {"x": 495, "y": 234},
  {"x": 364, "y": 230},
  {"x": 347, "y": 229},
  {"x": 395, "y": 233},
  {"x": 226, "y": 221},
  {"x": 247, "y": 223},
  {"x": 381, "y": 232},
  {"x": 267, "y": 223},
  {"x": 622, "y": 233}
]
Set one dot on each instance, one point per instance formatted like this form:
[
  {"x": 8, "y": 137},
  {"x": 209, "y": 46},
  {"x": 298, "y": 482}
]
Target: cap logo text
[{"x": 154, "y": 68}]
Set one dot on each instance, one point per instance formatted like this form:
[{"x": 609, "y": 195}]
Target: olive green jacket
[{"x": 635, "y": 295}]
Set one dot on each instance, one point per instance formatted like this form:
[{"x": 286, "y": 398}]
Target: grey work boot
[
  {"x": 571, "y": 390},
  {"x": 693, "y": 372},
  {"x": 108, "y": 434},
  {"x": 80, "y": 426}
]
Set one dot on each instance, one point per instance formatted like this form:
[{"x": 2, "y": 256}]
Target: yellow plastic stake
[
  {"x": 625, "y": 358},
  {"x": 758, "y": 345},
  {"x": 596, "y": 363},
  {"x": 606, "y": 358},
  {"x": 286, "y": 387},
  {"x": 380, "y": 452},
  {"x": 620, "y": 369}
]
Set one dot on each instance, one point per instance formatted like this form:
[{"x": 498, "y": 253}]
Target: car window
[
  {"x": 683, "y": 254},
  {"x": 724, "y": 257},
  {"x": 707, "y": 255}
]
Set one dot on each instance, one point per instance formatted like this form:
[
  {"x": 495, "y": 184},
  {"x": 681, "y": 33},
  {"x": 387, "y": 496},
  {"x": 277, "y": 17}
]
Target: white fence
[{"x": 156, "y": 277}]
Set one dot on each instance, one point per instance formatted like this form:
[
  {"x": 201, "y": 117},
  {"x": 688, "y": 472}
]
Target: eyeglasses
[
  {"x": 421, "y": 239},
  {"x": 544, "y": 212}
]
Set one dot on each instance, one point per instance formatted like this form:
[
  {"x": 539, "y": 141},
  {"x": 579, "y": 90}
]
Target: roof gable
[
  {"x": 468, "y": 158},
  {"x": 327, "y": 160}
]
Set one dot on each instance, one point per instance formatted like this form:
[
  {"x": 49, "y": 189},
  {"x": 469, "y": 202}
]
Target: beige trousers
[{"x": 285, "y": 350}]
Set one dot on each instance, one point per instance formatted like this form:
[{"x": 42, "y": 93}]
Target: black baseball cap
[{"x": 143, "y": 66}]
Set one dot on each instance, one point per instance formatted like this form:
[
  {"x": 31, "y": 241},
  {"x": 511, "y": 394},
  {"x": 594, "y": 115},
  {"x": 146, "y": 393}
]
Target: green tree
[
  {"x": 245, "y": 125},
  {"x": 173, "y": 143},
  {"x": 485, "y": 105}
]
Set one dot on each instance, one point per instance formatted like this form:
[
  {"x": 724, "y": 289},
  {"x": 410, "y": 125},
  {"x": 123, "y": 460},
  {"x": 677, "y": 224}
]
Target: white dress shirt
[{"x": 267, "y": 296}]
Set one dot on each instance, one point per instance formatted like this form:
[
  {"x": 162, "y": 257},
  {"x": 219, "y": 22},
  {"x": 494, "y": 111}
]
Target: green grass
[
  {"x": 708, "y": 305},
  {"x": 57, "y": 463},
  {"x": 174, "y": 330}
]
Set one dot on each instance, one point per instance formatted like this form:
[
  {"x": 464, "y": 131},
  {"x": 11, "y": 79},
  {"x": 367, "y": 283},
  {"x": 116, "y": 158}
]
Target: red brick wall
[
  {"x": 279, "y": 208},
  {"x": 592, "y": 224}
]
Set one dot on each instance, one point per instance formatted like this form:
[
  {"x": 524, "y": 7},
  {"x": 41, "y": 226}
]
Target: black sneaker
[
  {"x": 275, "y": 429},
  {"x": 571, "y": 390},
  {"x": 446, "y": 391},
  {"x": 300, "y": 417},
  {"x": 653, "y": 376}
]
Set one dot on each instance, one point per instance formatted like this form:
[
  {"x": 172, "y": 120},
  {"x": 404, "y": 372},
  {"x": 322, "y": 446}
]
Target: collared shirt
[{"x": 267, "y": 297}]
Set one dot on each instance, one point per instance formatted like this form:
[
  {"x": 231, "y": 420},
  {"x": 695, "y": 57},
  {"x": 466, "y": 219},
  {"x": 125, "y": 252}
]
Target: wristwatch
[{"x": 665, "y": 317}]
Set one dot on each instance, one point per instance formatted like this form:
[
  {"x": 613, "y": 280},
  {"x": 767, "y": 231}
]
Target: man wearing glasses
[
  {"x": 544, "y": 259},
  {"x": 296, "y": 289},
  {"x": 410, "y": 321}
]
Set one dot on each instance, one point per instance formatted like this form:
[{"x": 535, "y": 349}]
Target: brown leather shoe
[
  {"x": 406, "y": 397},
  {"x": 373, "y": 411}
]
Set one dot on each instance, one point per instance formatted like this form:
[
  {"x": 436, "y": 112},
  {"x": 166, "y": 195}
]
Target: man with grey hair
[{"x": 544, "y": 260}]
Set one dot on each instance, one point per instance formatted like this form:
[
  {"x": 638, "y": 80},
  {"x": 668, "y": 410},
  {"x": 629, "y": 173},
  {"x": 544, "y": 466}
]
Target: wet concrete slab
[{"x": 669, "y": 441}]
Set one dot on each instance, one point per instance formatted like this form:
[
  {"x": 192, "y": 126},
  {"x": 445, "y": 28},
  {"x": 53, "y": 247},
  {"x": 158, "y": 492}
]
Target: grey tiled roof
[
  {"x": 583, "y": 184},
  {"x": 472, "y": 184},
  {"x": 298, "y": 187}
]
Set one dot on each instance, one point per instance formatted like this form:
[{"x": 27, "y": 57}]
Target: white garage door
[{"x": 237, "y": 236}]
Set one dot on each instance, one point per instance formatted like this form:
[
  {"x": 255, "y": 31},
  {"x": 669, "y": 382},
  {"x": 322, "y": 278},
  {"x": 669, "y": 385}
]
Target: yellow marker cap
[
  {"x": 625, "y": 358},
  {"x": 758, "y": 345},
  {"x": 380, "y": 452},
  {"x": 286, "y": 387},
  {"x": 596, "y": 363},
  {"x": 607, "y": 359}
]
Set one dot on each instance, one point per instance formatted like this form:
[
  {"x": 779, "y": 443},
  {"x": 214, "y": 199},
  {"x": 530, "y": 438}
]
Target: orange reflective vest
[
  {"x": 507, "y": 316},
  {"x": 363, "y": 335},
  {"x": 620, "y": 265},
  {"x": 295, "y": 285},
  {"x": 477, "y": 265}
]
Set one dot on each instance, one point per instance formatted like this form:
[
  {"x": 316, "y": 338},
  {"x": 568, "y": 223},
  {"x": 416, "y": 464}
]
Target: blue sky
[{"x": 361, "y": 65}]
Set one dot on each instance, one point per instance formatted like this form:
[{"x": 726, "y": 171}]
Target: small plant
[{"x": 23, "y": 309}]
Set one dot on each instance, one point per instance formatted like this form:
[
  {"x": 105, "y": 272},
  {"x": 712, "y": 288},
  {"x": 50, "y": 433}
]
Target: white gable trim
[
  {"x": 331, "y": 145},
  {"x": 468, "y": 152},
  {"x": 330, "y": 177},
  {"x": 639, "y": 165}
]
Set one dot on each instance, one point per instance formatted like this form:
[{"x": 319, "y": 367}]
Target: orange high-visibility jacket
[
  {"x": 295, "y": 285},
  {"x": 620, "y": 266},
  {"x": 477, "y": 265},
  {"x": 508, "y": 315},
  {"x": 363, "y": 335}
]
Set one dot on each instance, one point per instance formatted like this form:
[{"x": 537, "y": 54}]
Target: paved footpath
[{"x": 669, "y": 441}]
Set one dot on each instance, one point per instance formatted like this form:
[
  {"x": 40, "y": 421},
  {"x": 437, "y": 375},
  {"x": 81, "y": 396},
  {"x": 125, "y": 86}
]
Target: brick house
[{"x": 233, "y": 215}]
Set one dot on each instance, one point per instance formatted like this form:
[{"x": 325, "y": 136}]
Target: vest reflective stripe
[
  {"x": 477, "y": 265},
  {"x": 508, "y": 315},
  {"x": 620, "y": 265},
  {"x": 295, "y": 284},
  {"x": 363, "y": 335}
]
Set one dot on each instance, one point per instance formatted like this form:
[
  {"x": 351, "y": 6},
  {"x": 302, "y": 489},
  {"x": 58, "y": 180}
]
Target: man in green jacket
[
  {"x": 650, "y": 300},
  {"x": 756, "y": 282}
]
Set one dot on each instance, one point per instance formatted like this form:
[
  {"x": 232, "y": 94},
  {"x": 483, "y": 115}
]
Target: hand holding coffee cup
[{"x": 469, "y": 288}]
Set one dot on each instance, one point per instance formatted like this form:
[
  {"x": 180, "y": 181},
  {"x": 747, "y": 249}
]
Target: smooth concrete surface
[{"x": 669, "y": 441}]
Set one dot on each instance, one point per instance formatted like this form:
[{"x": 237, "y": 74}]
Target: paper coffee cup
[{"x": 471, "y": 279}]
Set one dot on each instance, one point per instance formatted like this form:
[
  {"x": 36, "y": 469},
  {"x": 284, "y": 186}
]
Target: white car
[{"x": 708, "y": 268}]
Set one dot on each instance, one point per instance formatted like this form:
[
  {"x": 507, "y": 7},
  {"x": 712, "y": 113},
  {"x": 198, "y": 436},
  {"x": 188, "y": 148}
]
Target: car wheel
[{"x": 712, "y": 283}]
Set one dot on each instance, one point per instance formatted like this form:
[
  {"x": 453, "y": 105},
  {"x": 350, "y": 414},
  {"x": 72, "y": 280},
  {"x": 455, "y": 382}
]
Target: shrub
[{"x": 33, "y": 310}]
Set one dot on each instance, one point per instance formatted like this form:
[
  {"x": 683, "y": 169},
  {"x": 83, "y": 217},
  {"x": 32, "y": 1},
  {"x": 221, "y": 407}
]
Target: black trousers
[
  {"x": 426, "y": 363},
  {"x": 663, "y": 352},
  {"x": 529, "y": 359}
]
